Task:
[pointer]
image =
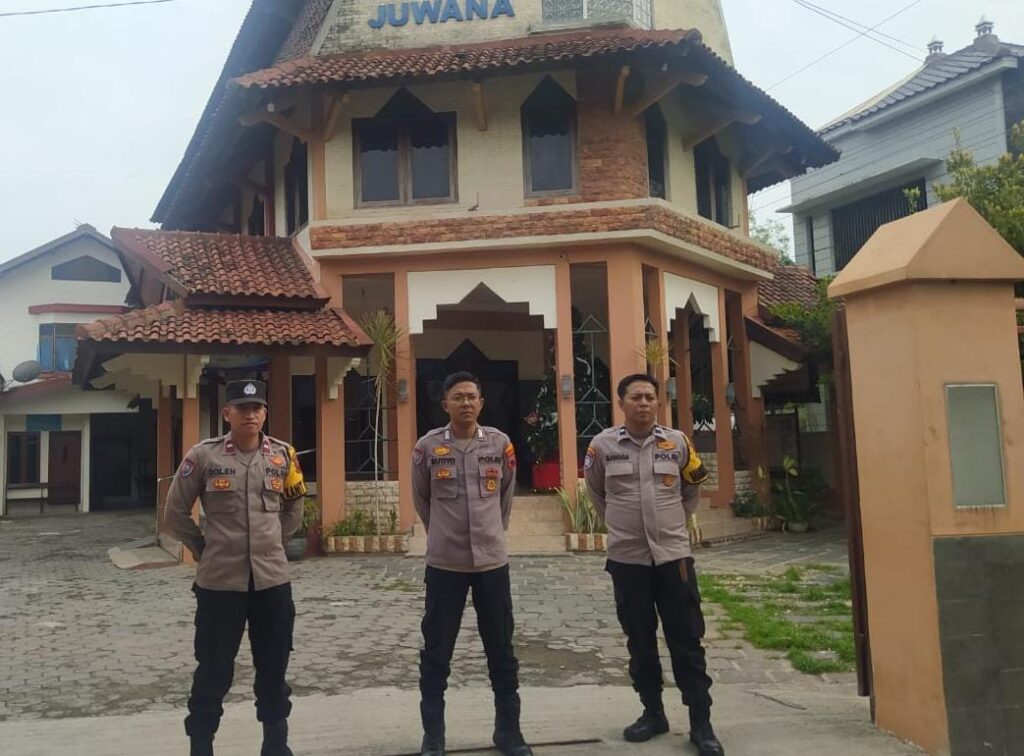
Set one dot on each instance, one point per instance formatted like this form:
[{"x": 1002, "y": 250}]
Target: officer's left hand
[{"x": 294, "y": 482}]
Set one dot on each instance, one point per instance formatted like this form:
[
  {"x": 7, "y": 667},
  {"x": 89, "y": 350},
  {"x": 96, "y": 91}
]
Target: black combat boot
[
  {"x": 275, "y": 739},
  {"x": 432, "y": 716},
  {"x": 508, "y": 738},
  {"x": 703, "y": 735},
  {"x": 652, "y": 722},
  {"x": 200, "y": 745}
]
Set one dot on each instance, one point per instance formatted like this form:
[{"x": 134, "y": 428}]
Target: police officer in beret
[
  {"x": 251, "y": 489},
  {"x": 463, "y": 481},
  {"x": 643, "y": 479}
]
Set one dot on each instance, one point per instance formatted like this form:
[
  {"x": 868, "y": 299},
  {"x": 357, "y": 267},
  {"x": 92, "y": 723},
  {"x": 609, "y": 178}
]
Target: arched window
[
  {"x": 549, "y": 140},
  {"x": 296, "y": 188},
  {"x": 405, "y": 154}
]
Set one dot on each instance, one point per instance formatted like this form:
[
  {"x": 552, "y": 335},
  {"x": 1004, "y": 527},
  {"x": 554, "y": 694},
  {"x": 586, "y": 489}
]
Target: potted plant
[
  {"x": 542, "y": 435},
  {"x": 795, "y": 504},
  {"x": 297, "y": 546},
  {"x": 587, "y": 529},
  {"x": 382, "y": 329}
]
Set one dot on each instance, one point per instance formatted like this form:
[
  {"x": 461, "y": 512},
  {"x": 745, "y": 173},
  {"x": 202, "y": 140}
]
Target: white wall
[
  {"x": 925, "y": 133},
  {"x": 31, "y": 284}
]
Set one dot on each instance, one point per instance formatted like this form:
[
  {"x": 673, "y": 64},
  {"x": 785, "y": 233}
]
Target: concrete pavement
[{"x": 577, "y": 721}]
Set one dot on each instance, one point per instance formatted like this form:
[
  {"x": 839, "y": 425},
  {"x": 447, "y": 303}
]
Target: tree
[
  {"x": 774, "y": 234},
  {"x": 814, "y": 324},
  {"x": 996, "y": 191}
]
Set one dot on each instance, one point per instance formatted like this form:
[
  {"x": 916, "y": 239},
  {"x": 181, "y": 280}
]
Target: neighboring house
[
  {"x": 900, "y": 140},
  {"x": 535, "y": 189},
  {"x": 61, "y": 443}
]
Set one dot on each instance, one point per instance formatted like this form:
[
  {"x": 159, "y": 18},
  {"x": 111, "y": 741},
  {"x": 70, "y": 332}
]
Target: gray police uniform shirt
[
  {"x": 247, "y": 518},
  {"x": 640, "y": 491},
  {"x": 463, "y": 495}
]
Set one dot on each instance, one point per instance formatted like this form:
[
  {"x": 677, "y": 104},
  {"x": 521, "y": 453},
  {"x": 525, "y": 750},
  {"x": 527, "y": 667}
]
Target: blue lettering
[
  {"x": 401, "y": 20},
  {"x": 376, "y": 23},
  {"x": 425, "y": 10},
  {"x": 502, "y": 8},
  {"x": 476, "y": 8},
  {"x": 451, "y": 10}
]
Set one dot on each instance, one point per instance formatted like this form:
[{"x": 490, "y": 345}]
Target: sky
[{"x": 99, "y": 105}]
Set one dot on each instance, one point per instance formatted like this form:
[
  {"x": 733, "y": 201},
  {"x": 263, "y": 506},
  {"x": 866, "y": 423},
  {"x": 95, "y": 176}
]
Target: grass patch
[{"x": 805, "y": 612}]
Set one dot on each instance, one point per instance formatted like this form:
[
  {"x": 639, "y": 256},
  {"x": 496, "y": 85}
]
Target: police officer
[
  {"x": 251, "y": 489},
  {"x": 463, "y": 481},
  {"x": 643, "y": 479}
]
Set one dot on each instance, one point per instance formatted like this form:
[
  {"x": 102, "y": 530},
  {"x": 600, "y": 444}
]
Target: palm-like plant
[{"x": 384, "y": 332}]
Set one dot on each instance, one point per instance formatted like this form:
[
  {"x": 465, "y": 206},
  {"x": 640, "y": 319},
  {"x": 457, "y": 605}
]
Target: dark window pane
[
  {"x": 657, "y": 137},
  {"x": 378, "y": 163},
  {"x": 23, "y": 458},
  {"x": 550, "y": 141},
  {"x": 431, "y": 159},
  {"x": 85, "y": 268}
]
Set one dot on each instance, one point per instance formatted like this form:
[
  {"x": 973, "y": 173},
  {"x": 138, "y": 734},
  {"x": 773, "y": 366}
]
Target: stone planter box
[
  {"x": 586, "y": 541},
  {"x": 386, "y": 544}
]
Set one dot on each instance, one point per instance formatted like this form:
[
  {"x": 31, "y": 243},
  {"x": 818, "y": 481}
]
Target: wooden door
[{"x": 65, "y": 475}]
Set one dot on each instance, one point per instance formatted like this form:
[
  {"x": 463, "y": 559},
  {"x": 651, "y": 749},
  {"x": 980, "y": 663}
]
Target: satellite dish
[{"x": 26, "y": 371}]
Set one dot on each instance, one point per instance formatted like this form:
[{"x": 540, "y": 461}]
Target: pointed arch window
[
  {"x": 549, "y": 140},
  {"x": 405, "y": 154}
]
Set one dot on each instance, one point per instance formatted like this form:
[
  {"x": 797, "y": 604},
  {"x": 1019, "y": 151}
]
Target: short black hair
[
  {"x": 462, "y": 376},
  {"x": 624, "y": 383}
]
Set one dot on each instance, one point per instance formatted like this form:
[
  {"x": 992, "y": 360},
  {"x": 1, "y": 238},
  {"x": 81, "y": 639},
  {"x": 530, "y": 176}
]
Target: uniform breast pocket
[
  {"x": 490, "y": 481},
  {"x": 666, "y": 480},
  {"x": 619, "y": 478},
  {"x": 220, "y": 491},
  {"x": 444, "y": 482},
  {"x": 272, "y": 488}
]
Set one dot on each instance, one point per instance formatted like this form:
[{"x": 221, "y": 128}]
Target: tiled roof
[
  {"x": 174, "y": 323},
  {"x": 453, "y": 59},
  {"x": 300, "y": 40},
  {"x": 792, "y": 283},
  {"x": 223, "y": 264},
  {"x": 936, "y": 72}
]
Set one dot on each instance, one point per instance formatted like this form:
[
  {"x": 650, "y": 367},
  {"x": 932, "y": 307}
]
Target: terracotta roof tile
[
  {"x": 223, "y": 264},
  {"x": 452, "y": 59},
  {"x": 300, "y": 39},
  {"x": 174, "y": 323},
  {"x": 792, "y": 283}
]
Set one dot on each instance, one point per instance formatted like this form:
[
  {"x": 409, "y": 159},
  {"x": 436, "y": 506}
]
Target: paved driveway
[{"x": 79, "y": 637}]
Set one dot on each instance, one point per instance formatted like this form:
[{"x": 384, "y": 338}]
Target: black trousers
[
  {"x": 446, "y": 600},
  {"x": 642, "y": 594},
  {"x": 221, "y": 617}
]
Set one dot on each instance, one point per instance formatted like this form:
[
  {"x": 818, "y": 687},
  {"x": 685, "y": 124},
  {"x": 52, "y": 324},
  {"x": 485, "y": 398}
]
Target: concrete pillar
[
  {"x": 405, "y": 373},
  {"x": 625, "y": 320},
  {"x": 85, "y": 477},
  {"x": 568, "y": 453},
  {"x": 190, "y": 436},
  {"x": 3, "y": 465},
  {"x": 656, "y": 315},
  {"x": 330, "y": 445},
  {"x": 164, "y": 450},
  {"x": 279, "y": 399},
  {"x": 749, "y": 410},
  {"x": 723, "y": 425},
  {"x": 684, "y": 378}
]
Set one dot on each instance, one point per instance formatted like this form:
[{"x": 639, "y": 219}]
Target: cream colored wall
[
  {"x": 490, "y": 163},
  {"x": 30, "y": 284},
  {"x": 682, "y": 186},
  {"x": 347, "y": 26},
  {"x": 703, "y": 15},
  {"x": 17, "y": 423}
]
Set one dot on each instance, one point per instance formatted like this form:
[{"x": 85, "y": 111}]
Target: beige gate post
[{"x": 939, "y": 413}]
